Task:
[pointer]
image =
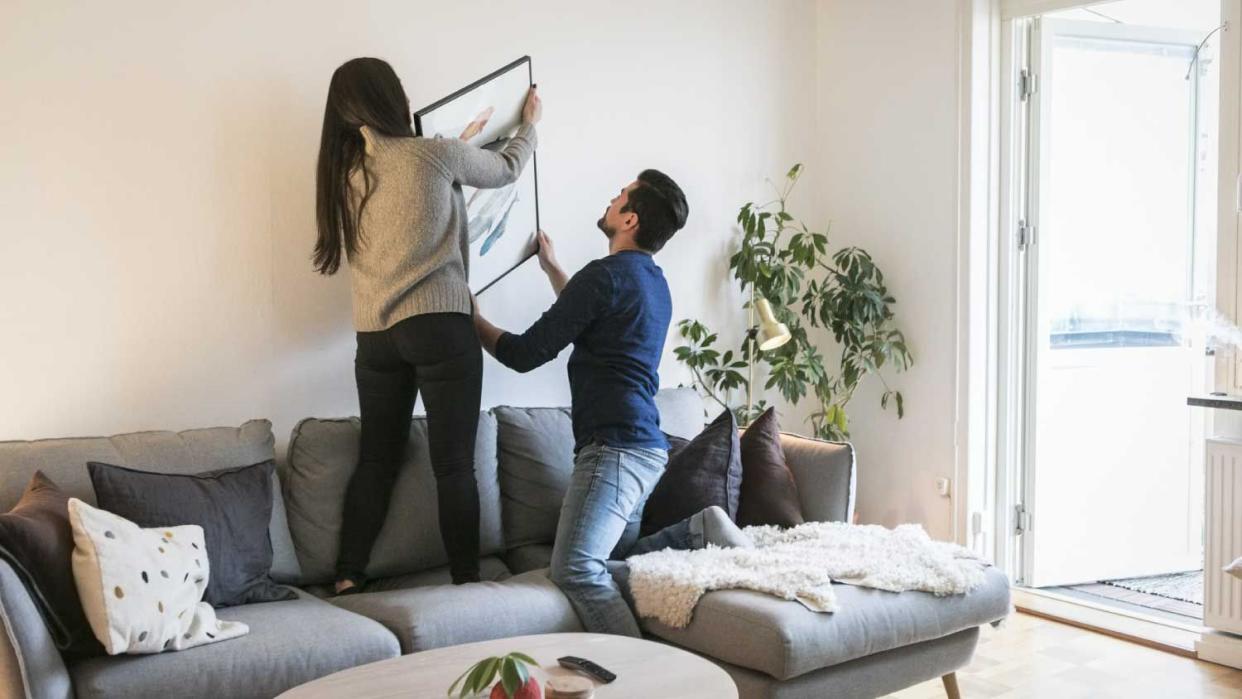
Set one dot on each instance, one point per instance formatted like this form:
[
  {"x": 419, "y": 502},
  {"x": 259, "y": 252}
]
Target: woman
[{"x": 392, "y": 203}]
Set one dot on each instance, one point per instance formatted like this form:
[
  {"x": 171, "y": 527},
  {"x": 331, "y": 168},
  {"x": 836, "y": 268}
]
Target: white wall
[
  {"x": 156, "y": 184},
  {"x": 156, "y": 191},
  {"x": 888, "y": 170}
]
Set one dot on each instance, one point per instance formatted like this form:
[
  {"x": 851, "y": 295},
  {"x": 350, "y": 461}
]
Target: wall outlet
[{"x": 944, "y": 486}]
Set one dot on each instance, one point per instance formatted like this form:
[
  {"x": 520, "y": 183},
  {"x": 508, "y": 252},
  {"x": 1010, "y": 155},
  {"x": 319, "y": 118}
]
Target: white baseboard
[{"x": 1221, "y": 648}]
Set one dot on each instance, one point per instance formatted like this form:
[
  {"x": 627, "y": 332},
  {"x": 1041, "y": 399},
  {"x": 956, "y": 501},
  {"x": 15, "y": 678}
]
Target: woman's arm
[
  {"x": 478, "y": 167},
  {"x": 486, "y": 169}
]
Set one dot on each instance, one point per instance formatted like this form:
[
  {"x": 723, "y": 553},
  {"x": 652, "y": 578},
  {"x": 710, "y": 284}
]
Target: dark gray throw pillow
[
  {"x": 233, "y": 506},
  {"x": 703, "y": 472}
]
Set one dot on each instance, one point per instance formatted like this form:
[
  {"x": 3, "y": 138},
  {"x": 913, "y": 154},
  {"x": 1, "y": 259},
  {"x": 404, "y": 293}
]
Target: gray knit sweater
[{"x": 413, "y": 252}]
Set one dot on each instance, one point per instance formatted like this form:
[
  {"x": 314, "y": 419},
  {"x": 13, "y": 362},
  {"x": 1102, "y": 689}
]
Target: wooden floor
[{"x": 1033, "y": 657}]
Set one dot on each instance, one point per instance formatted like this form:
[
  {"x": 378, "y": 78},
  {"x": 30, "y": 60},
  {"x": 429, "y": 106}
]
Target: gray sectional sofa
[{"x": 879, "y": 642}]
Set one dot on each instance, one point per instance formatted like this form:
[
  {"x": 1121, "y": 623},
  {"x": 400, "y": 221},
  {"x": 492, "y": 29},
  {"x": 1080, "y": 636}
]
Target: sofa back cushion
[
  {"x": 826, "y": 475},
  {"x": 536, "y": 454},
  {"x": 188, "y": 452},
  {"x": 681, "y": 412},
  {"x": 323, "y": 455}
]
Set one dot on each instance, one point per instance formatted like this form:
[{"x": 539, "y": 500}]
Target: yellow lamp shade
[{"x": 772, "y": 334}]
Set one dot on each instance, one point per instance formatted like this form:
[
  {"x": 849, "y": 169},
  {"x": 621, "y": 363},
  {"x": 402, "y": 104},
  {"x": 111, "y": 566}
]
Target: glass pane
[{"x": 1118, "y": 195}]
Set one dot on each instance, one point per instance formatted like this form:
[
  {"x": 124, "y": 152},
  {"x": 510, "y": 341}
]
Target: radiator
[{"x": 1222, "y": 593}]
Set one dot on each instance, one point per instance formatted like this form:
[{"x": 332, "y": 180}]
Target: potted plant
[
  {"x": 788, "y": 271},
  {"x": 515, "y": 680}
]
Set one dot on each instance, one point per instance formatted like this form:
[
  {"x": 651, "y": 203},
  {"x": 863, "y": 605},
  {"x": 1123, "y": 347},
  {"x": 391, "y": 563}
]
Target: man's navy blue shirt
[{"x": 616, "y": 312}]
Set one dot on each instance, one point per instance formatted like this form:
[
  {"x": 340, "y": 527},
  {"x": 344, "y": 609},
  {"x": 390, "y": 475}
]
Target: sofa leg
[{"x": 950, "y": 686}]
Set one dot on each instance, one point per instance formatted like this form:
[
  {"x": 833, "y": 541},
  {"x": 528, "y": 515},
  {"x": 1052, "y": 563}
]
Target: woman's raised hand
[{"x": 532, "y": 111}]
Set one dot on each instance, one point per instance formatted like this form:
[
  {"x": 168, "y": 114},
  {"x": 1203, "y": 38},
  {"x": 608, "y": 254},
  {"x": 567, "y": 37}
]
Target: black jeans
[{"x": 438, "y": 354}]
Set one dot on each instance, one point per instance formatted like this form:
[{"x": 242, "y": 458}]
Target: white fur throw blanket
[{"x": 800, "y": 564}]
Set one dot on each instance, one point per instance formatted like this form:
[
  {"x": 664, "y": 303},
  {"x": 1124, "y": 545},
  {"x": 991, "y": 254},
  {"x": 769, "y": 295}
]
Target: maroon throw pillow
[
  {"x": 36, "y": 539},
  {"x": 769, "y": 491}
]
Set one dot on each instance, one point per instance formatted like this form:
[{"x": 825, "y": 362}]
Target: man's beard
[{"x": 603, "y": 226}]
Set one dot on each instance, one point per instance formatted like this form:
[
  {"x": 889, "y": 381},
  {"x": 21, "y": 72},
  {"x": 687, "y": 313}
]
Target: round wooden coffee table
[{"x": 643, "y": 669}]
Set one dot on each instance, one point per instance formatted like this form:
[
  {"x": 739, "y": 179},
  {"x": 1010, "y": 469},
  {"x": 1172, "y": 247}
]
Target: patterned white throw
[
  {"x": 142, "y": 589},
  {"x": 800, "y": 564}
]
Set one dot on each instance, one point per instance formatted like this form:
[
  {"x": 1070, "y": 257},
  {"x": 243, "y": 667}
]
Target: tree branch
[{"x": 712, "y": 394}]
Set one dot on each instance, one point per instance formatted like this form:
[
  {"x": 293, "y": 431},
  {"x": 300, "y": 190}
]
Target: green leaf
[
  {"x": 901, "y": 410},
  {"x": 509, "y": 677},
  {"x": 462, "y": 676},
  {"x": 480, "y": 676},
  {"x": 525, "y": 658}
]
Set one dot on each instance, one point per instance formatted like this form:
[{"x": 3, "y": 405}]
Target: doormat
[{"x": 1186, "y": 587}]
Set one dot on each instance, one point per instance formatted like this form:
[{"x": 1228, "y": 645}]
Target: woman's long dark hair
[{"x": 363, "y": 91}]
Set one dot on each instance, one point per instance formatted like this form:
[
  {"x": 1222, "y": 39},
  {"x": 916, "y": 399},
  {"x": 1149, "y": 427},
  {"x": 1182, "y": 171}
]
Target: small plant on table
[{"x": 515, "y": 680}]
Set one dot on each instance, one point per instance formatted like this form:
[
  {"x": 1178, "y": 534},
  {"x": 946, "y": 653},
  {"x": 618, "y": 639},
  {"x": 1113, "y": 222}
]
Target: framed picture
[{"x": 501, "y": 222}]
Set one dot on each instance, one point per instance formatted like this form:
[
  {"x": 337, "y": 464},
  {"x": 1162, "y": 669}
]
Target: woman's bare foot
[{"x": 344, "y": 586}]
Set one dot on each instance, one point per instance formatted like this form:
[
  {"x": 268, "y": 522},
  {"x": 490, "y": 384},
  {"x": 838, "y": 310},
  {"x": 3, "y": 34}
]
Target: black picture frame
[{"x": 534, "y": 157}]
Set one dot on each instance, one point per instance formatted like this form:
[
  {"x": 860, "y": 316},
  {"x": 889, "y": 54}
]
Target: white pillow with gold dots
[{"x": 142, "y": 589}]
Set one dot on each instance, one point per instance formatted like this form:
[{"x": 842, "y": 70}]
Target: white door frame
[
  {"x": 1018, "y": 119},
  {"x": 1229, "y": 193}
]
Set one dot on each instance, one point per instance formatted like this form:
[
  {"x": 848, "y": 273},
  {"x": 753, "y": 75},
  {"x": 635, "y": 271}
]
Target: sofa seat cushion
[
  {"x": 490, "y": 568},
  {"x": 783, "y": 639},
  {"x": 531, "y": 557},
  {"x": 289, "y": 643},
  {"x": 447, "y": 615}
]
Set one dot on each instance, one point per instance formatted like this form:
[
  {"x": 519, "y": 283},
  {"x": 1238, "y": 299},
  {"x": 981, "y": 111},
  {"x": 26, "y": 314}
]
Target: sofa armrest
[
  {"x": 826, "y": 475},
  {"x": 30, "y": 664}
]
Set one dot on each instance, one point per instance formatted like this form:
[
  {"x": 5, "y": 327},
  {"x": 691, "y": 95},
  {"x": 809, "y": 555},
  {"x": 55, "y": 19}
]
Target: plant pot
[{"x": 530, "y": 690}]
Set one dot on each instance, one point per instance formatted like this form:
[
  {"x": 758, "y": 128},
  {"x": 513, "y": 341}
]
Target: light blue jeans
[{"x": 600, "y": 519}]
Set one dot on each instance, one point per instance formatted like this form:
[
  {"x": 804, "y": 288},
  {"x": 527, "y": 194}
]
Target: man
[{"x": 616, "y": 312}]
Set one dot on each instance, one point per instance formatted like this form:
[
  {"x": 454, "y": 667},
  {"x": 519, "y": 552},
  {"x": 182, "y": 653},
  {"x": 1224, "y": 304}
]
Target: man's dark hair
[{"x": 661, "y": 208}]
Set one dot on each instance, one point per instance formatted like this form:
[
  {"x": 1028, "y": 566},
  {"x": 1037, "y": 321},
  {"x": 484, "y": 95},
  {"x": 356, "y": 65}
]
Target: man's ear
[{"x": 630, "y": 221}]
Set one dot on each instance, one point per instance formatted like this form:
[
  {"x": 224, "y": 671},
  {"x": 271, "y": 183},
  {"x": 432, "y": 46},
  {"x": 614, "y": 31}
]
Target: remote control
[{"x": 587, "y": 668}]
